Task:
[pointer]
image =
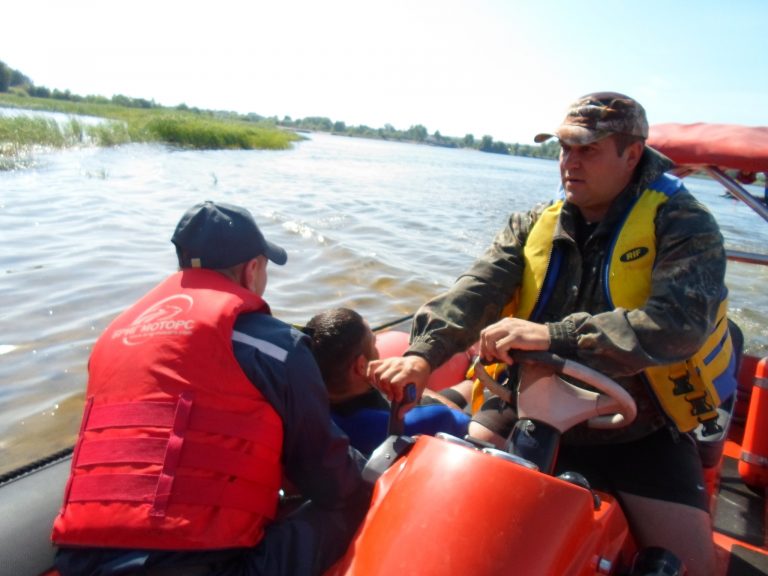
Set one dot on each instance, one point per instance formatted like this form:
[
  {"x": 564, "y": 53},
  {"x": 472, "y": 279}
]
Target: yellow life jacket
[{"x": 689, "y": 392}]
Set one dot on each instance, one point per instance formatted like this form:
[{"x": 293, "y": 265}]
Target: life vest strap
[
  {"x": 199, "y": 455},
  {"x": 162, "y": 414},
  {"x": 76, "y": 452},
  {"x": 172, "y": 454},
  {"x": 121, "y": 451},
  {"x": 193, "y": 490}
]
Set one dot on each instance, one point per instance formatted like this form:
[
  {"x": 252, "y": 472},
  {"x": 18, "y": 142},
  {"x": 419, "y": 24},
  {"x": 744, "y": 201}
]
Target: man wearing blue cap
[{"x": 199, "y": 404}]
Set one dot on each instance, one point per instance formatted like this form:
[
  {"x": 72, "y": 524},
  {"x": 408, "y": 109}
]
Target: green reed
[
  {"x": 20, "y": 136},
  {"x": 205, "y": 133}
]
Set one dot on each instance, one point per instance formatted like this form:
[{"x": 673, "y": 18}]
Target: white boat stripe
[{"x": 266, "y": 347}]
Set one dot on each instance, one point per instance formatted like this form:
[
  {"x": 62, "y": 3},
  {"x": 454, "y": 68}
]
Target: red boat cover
[{"x": 726, "y": 146}]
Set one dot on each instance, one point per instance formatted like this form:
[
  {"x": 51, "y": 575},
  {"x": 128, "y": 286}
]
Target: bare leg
[
  {"x": 683, "y": 530},
  {"x": 442, "y": 399},
  {"x": 480, "y": 432},
  {"x": 463, "y": 388}
]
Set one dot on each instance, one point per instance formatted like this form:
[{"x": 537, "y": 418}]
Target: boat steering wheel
[{"x": 544, "y": 396}]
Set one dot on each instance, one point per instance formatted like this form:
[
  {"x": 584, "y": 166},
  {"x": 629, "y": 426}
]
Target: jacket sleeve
[
  {"x": 317, "y": 458},
  {"x": 452, "y": 321},
  {"x": 687, "y": 286}
]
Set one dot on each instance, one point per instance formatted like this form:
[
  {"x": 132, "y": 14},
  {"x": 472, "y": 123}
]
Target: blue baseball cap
[{"x": 219, "y": 236}]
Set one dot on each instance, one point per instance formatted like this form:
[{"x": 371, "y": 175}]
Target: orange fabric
[{"x": 727, "y": 146}]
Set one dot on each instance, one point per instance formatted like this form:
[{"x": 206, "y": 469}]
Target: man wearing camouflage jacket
[{"x": 605, "y": 166}]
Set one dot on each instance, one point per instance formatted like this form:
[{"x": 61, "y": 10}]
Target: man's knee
[
  {"x": 477, "y": 430},
  {"x": 684, "y": 530}
]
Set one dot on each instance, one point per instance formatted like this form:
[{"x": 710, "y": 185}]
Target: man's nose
[{"x": 571, "y": 159}]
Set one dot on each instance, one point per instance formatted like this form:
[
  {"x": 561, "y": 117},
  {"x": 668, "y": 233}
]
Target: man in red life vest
[{"x": 199, "y": 402}]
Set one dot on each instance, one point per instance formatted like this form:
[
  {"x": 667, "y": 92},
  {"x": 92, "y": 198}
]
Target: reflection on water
[{"x": 378, "y": 226}]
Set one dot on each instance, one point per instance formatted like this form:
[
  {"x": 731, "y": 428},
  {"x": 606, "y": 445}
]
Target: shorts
[
  {"x": 454, "y": 396},
  {"x": 448, "y": 394},
  {"x": 665, "y": 465},
  {"x": 496, "y": 415}
]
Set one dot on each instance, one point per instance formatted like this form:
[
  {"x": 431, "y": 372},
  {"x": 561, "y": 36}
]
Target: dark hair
[
  {"x": 338, "y": 338},
  {"x": 622, "y": 141}
]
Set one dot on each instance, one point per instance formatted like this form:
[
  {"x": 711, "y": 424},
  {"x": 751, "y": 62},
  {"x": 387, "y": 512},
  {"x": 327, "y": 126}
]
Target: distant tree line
[
  {"x": 15, "y": 82},
  {"x": 420, "y": 134},
  {"x": 12, "y": 78}
]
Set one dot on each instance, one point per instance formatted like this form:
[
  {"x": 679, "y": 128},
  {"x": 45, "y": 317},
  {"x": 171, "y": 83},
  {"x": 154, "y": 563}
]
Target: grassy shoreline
[{"x": 21, "y": 135}]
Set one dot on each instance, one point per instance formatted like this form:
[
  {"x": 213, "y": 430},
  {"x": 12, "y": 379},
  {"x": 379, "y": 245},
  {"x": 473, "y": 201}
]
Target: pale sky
[{"x": 506, "y": 68}]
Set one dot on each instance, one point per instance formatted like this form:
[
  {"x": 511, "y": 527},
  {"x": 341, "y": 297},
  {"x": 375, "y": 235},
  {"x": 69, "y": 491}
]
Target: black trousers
[{"x": 304, "y": 543}]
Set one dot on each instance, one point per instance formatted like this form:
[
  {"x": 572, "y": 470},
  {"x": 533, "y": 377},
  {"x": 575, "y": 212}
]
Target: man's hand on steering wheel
[{"x": 508, "y": 334}]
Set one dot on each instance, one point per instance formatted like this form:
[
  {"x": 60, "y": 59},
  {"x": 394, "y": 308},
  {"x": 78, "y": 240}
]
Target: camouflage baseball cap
[{"x": 597, "y": 115}]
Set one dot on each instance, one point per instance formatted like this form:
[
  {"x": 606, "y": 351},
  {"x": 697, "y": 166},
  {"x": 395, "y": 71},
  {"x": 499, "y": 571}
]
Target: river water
[{"x": 375, "y": 225}]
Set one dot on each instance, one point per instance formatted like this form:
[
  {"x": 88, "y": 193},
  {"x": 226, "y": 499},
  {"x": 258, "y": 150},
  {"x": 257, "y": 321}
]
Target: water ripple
[{"x": 377, "y": 226}]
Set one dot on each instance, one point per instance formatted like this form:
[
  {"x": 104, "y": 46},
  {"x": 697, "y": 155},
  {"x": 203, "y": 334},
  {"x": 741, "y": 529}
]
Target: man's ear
[
  {"x": 253, "y": 269},
  {"x": 634, "y": 152},
  {"x": 360, "y": 366}
]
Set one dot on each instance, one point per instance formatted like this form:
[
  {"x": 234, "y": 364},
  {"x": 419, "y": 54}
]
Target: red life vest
[{"x": 177, "y": 448}]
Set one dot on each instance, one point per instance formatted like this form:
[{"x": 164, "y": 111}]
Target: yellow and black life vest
[{"x": 689, "y": 392}]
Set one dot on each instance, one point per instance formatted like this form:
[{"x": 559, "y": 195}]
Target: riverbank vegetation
[
  {"x": 21, "y": 135},
  {"x": 126, "y": 119},
  {"x": 96, "y": 120},
  {"x": 122, "y": 124},
  {"x": 421, "y": 135}
]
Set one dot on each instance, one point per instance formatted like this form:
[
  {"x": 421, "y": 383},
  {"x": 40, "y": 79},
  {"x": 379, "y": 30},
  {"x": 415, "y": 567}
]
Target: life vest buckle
[
  {"x": 701, "y": 405},
  {"x": 710, "y": 427},
  {"x": 682, "y": 384}
]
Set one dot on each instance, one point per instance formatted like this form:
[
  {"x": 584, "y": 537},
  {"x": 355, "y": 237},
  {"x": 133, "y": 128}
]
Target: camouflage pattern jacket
[{"x": 688, "y": 278}]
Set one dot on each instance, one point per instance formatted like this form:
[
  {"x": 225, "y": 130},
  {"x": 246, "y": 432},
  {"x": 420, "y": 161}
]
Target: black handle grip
[{"x": 396, "y": 424}]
